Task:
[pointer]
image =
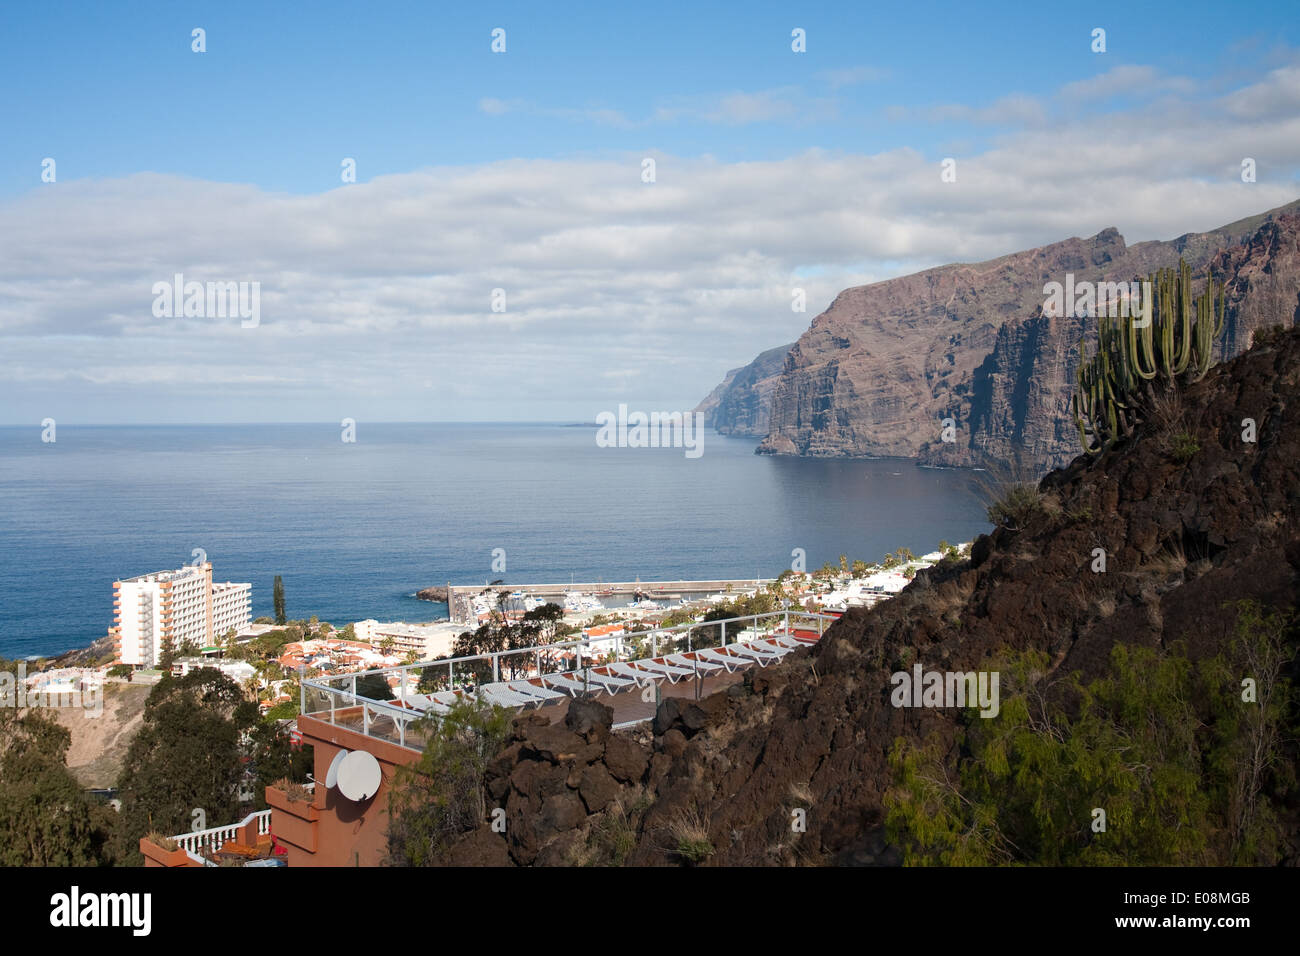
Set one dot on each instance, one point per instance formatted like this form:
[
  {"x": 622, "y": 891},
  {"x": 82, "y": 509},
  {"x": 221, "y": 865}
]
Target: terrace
[{"x": 631, "y": 673}]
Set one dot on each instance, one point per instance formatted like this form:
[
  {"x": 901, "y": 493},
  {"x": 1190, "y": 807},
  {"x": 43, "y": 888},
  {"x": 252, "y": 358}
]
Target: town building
[
  {"x": 172, "y": 608},
  {"x": 238, "y": 671},
  {"x": 426, "y": 641}
]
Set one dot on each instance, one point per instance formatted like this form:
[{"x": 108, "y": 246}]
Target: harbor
[{"x": 465, "y": 600}]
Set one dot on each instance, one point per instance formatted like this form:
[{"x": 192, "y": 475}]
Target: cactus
[{"x": 1132, "y": 364}]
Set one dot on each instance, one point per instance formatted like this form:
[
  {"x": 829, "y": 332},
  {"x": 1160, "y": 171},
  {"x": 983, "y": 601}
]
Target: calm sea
[{"x": 356, "y": 529}]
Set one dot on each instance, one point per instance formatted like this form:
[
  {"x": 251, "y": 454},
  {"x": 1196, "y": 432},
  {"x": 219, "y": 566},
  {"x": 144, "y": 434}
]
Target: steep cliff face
[
  {"x": 1020, "y": 398},
  {"x": 880, "y": 371},
  {"x": 1262, "y": 283},
  {"x": 1020, "y": 393},
  {"x": 740, "y": 405}
]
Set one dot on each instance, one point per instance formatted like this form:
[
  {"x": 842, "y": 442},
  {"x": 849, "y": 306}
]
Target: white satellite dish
[
  {"x": 332, "y": 775},
  {"x": 359, "y": 776}
]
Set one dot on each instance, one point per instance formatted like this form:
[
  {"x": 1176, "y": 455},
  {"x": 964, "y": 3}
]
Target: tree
[
  {"x": 187, "y": 756},
  {"x": 278, "y": 598},
  {"x": 386, "y": 645},
  {"x": 546, "y": 621},
  {"x": 441, "y": 796},
  {"x": 375, "y": 687},
  {"x": 273, "y": 756},
  {"x": 45, "y": 817}
]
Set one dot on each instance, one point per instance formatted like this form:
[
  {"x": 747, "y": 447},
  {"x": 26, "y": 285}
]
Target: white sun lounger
[
  {"x": 441, "y": 702},
  {"x": 774, "y": 651},
  {"x": 537, "y": 692},
  {"x": 788, "y": 641},
  {"x": 503, "y": 696},
  {"x": 631, "y": 669},
  {"x": 564, "y": 681},
  {"x": 762, "y": 657},
  {"x": 674, "y": 668},
  {"x": 720, "y": 658},
  {"x": 608, "y": 683},
  {"x": 697, "y": 662}
]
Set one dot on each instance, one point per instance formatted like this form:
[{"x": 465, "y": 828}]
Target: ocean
[{"x": 355, "y": 529}]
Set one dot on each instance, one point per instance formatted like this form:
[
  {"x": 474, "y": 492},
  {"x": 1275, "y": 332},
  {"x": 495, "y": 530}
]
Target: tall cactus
[{"x": 1137, "y": 360}]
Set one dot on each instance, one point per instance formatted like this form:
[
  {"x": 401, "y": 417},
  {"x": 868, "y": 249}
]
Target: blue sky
[{"x": 225, "y": 165}]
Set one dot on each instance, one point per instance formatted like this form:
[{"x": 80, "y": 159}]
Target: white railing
[
  {"x": 346, "y": 697},
  {"x": 213, "y": 837}
]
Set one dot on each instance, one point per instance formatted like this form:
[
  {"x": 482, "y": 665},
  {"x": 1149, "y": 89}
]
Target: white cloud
[
  {"x": 1127, "y": 80},
  {"x": 616, "y": 290}
]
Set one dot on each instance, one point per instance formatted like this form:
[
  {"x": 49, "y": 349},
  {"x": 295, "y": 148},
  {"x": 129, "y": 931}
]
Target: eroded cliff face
[
  {"x": 879, "y": 372},
  {"x": 740, "y": 405},
  {"x": 1020, "y": 395},
  {"x": 1262, "y": 283}
]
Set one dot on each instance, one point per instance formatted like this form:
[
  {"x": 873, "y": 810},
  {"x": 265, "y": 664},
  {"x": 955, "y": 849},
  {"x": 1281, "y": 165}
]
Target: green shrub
[
  {"x": 694, "y": 851},
  {"x": 1017, "y": 506},
  {"x": 1183, "y": 446}
]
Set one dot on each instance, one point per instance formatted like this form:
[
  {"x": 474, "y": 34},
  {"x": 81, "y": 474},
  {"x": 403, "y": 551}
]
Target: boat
[{"x": 576, "y": 602}]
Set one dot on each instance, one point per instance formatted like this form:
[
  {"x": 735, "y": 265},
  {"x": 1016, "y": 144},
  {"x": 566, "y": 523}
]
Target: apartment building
[
  {"x": 164, "y": 608},
  {"x": 426, "y": 641}
]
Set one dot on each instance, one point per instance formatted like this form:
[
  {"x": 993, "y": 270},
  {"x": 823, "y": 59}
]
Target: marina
[{"x": 464, "y": 601}]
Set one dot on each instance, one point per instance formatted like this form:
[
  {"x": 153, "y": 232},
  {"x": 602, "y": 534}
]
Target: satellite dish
[
  {"x": 332, "y": 775},
  {"x": 359, "y": 776}
]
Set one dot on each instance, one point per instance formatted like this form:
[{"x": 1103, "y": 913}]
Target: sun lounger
[
  {"x": 697, "y": 662},
  {"x": 642, "y": 677},
  {"x": 565, "y": 682},
  {"x": 536, "y": 690},
  {"x": 503, "y": 696},
  {"x": 717, "y": 658},
  {"x": 761, "y": 657},
  {"x": 603, "y": 680},
  {"x": 674, "y": 668}
]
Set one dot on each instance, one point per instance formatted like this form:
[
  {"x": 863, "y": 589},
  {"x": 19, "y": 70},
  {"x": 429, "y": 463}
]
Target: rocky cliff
[
  {"x": 879, "y": 372},
  {"x": 1186, "y": 536},
  {"x": 740, "y": 405}
]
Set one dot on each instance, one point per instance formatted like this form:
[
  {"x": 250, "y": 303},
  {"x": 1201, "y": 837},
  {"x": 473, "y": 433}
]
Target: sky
[{"x": 517, "y": 180}]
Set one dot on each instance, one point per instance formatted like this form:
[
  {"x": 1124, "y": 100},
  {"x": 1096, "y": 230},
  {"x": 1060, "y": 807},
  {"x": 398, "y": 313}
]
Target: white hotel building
[{"x": 172, "y": 607}]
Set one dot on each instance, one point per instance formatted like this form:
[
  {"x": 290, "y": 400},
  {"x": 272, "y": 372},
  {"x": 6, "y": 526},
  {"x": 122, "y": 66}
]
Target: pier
[{"x": 460, "y": 596}]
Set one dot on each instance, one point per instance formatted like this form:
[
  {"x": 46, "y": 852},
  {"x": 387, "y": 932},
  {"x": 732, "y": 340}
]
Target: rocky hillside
[
  {"x": 740, "y": 405},
  {"x": 878, "y": 372},
  {"x": 1185, "y": 534}
]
